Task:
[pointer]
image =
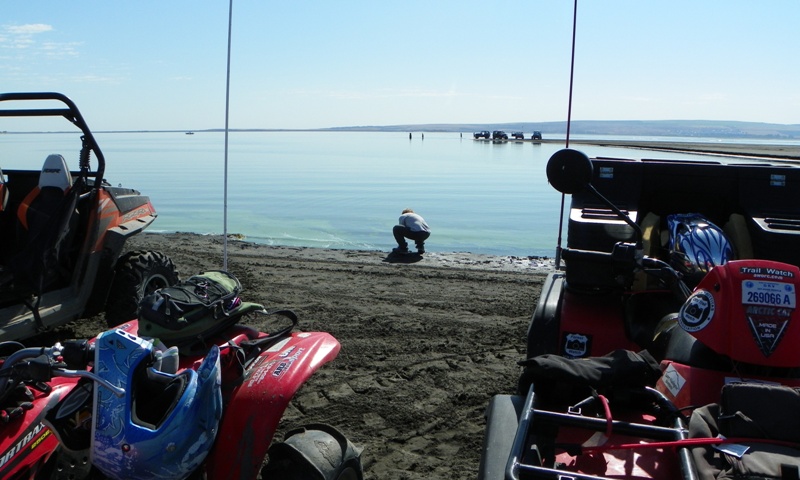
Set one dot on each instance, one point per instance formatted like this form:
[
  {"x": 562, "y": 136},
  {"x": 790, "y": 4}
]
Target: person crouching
[{"x": 413, "y": 227}]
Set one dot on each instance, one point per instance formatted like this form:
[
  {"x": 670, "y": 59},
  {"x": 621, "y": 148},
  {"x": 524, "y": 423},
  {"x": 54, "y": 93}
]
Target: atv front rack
[{"x": 523, "y": 464}]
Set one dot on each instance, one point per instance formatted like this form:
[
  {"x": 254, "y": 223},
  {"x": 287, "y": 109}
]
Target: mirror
[{"x": 569, "y": 171}]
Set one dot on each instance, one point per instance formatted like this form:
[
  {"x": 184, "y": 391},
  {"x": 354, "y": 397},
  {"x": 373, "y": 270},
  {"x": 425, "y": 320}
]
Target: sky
[{"x": 161, "y": 65}]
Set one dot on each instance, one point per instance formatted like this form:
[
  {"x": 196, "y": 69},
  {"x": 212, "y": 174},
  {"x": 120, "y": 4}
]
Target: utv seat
[
  {"x": 45, "y": 200},
  {"x": 6, "y": 238},
  {"x": 6, "y": 219},
  {"x": 45, "y": 223},
  {"x": 3, "y": 193}
]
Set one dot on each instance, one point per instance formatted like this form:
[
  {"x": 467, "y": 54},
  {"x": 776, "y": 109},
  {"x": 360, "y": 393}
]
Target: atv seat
[
  {"x": 45, "y": 222},
  {"x": 671, "y": 342}
]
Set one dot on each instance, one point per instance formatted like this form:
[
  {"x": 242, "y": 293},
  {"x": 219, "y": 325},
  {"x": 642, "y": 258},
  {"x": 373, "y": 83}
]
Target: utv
[
  {"x": 63, "y": 232},
  {"x": 499, "y": 135},
  {"x": 653, "y": 247}
]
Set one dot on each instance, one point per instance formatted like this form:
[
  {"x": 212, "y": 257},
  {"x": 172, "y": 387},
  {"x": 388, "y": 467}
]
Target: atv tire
[
  {"x": 314, "y": 452},
  {"x": 139, "y": 273}
]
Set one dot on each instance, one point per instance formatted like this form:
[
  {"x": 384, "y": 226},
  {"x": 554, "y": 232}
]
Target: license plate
[{"x": 774, "y": 294}]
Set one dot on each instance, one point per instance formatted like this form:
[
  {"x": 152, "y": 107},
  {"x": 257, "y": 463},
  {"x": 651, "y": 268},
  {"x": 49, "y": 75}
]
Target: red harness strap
[{"x": 688, "y": 442}]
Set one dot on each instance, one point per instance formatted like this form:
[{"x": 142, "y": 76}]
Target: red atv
[
  {"x": 121, "y": 406},
  {"x": 62, "y": 253},
  {"x": 654, "y": 353}
]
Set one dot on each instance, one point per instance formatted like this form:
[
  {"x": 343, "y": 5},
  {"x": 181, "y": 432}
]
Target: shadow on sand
[{"x": 411, "y": 257}]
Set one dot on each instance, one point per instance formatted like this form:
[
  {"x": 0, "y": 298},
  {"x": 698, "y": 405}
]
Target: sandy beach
[{"x": 425, "y": 345}]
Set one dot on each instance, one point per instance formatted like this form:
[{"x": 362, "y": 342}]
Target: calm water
[{"x": 334, "y": 189}]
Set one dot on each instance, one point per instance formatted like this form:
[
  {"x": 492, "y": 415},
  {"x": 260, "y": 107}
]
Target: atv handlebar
[
  {"x": 63, "y": 372},
  {"x": 41, "y": 364},
  {"x": 629, "y": 256}
]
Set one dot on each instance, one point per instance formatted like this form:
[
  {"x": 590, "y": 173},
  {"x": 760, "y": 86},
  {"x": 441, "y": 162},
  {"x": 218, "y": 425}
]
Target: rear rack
[{"x": 517, "y": 469}]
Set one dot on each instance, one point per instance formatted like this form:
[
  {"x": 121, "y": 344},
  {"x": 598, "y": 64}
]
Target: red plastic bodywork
[
  {"x": 25, "y": 442},
  {"x": 255, "y": 394},
  {"x": 746, "y": 309},
  {"x": 594, "y": 322},
  {"x": 688, "y": 386},
  {"x": 254, "y": 407}
]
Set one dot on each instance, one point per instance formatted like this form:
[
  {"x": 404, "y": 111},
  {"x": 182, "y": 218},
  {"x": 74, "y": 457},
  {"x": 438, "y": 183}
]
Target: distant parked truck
[
  {"x": 481, "y": 134},
  {"x": 536, "y": 136},
  {"x": 499, "y": 135},
  {"x": 518, "y": 135}
]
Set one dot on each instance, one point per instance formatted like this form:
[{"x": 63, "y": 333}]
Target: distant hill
[{"x": 660, "y": 128}]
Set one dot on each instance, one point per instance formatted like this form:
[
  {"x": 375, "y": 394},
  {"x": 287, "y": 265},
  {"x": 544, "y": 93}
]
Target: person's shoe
[
  {"x": 420, "y": 250},
  {"x": 400, "y": 250}
]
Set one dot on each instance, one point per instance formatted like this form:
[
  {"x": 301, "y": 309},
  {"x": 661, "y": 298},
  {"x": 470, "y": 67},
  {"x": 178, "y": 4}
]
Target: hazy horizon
[{"x": 411, "y": 63}]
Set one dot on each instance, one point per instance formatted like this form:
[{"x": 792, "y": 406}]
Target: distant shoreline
[
  {"x": 699, "y": 129},
  {"x": 765, "y": 151}
]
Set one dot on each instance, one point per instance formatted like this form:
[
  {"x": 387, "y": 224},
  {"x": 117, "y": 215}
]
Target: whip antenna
[
  {"x": 571, "y": 69},
  {"x": 569, "y": 124},
  {"x": 227, "y": 110}
]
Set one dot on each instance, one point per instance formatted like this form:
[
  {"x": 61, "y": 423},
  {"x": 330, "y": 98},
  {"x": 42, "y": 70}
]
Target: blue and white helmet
[
  {"x": 165, "y": 424},
  {"x": 696, "y": 245}
]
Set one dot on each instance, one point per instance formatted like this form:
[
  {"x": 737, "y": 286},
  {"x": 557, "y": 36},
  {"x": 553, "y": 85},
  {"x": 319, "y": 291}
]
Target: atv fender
[
  {"x": 545, "y": 326},
  {"x": 502, "y": 420},
  {"x": 255, "y": 407}
]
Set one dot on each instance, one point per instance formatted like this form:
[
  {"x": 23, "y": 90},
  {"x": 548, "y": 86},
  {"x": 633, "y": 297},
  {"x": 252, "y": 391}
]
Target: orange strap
[{"x": 22, "y": 212}]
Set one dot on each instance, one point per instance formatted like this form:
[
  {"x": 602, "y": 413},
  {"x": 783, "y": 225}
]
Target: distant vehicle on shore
[
  {"x": 499, "y": 135},
  {"x": 536, "y": 135},
  {"x": 482, "y": 134},
  {"x": 518, "y": 135}
]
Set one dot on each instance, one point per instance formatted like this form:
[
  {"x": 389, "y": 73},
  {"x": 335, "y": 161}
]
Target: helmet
[
  {"x": 165, "y": 424},
  {"x": 696, "y": 245}
]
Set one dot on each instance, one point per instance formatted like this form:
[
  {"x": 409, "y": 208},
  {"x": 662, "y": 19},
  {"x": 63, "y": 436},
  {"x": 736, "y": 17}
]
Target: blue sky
[{"x": 161, "y": 64}]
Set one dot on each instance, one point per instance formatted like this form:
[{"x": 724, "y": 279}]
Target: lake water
[{"x": 335, "y": 189}]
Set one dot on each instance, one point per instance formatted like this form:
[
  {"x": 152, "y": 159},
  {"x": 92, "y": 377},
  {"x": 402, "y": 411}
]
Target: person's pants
[{"x": 402, "y": 232}]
